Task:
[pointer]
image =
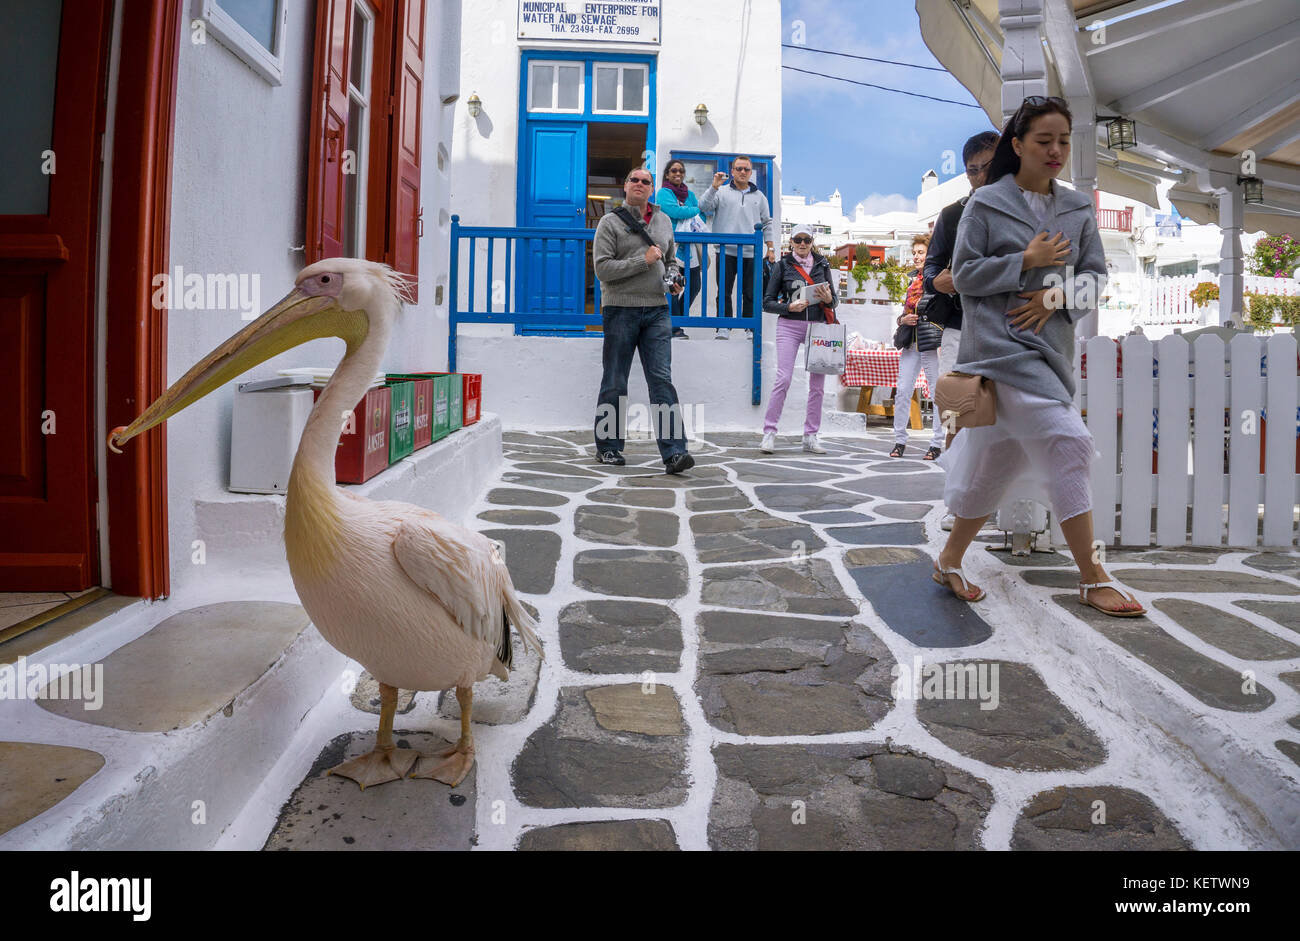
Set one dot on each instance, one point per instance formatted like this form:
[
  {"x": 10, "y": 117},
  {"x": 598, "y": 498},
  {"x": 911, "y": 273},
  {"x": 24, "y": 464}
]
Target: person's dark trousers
[
  {"x": 728, "y": 282},
  {"x": 648, "y": 332},
  {"x": 681, "y": 305}
]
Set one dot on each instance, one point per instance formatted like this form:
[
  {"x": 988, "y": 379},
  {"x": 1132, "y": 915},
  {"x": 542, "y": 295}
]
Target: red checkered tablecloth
[{"x": 877, "y": 368}]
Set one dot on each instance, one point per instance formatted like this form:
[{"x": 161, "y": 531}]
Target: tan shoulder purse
[{"x": 965, "y": 401}]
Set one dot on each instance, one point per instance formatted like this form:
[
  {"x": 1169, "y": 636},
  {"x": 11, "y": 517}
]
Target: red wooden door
[{"x": 48, "y": 214}]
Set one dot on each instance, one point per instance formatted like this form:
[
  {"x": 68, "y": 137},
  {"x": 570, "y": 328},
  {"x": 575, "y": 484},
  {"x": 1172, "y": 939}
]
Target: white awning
[{"x": 967, "y": 42}]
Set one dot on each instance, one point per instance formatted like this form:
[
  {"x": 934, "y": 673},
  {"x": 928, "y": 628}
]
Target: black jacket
[
  {"x": 784, "y": 281},
  {"x": 945, "y": 309}
]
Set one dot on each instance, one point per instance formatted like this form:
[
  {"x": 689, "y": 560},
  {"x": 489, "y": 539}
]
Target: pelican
[{"x": 420, "y": 602}]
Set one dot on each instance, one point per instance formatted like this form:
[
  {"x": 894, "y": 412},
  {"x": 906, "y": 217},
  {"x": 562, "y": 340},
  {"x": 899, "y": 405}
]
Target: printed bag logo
[{"x": 829, "y": 344}]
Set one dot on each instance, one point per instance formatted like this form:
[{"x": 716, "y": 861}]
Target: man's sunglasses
[
  {"x": 742, "y": 169},
  {"x": 974, "y": 171},
  {"x": 644, "y": 181},
  {"x": 801, "y": 240}
]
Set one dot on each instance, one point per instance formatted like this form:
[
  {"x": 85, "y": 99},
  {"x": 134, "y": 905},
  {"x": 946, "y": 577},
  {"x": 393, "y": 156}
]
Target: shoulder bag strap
[{"x": 634, "y": 224}]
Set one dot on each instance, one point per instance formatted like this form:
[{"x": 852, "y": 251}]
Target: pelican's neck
[{"x": 345, "y": 389}]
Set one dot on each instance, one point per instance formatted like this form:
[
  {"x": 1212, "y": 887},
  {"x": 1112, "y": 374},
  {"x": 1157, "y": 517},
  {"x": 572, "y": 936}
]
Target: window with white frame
[
  {"x": 251, "y": 29},
  {"x": 621, "y": 88},
  {"x": 555, "y": 87},
  {"x": 358, "y": 137}
]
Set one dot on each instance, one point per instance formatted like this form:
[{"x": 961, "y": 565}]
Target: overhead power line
[
  {"x": 853, "y": 81},
  {"x": 849, "y": 55}
]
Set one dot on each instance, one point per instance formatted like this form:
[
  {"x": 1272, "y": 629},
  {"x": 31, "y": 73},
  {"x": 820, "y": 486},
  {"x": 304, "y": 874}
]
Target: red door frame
[{"x": 136, "y": 333}]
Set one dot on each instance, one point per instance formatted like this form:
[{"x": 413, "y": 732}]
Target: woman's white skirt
[{"x": 1038, "y": 449}]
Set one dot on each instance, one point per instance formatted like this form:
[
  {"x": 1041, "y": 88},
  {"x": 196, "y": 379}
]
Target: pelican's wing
[{"x": 460, "y": 568}]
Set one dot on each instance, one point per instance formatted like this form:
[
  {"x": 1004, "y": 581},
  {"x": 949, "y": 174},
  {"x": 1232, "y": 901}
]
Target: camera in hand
[{"x": 673, "y": 280}]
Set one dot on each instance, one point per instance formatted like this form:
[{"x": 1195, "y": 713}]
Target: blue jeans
[{"x": 648, "y": 331}]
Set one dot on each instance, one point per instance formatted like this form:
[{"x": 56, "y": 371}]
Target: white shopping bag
[{"x": 825, "y": 348}]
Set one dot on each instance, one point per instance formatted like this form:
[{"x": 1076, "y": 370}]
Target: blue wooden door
[{"x": 556, "y": 198}]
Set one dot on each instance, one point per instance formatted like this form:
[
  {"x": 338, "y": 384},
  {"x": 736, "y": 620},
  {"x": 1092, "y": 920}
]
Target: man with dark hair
[
  {"x": 635, "y": 258},
  {"x": 945, "y": 306},
  {"x": 736, "y": 210}
]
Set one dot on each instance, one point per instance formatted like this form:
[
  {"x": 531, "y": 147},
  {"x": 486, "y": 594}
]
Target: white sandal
[
  {"x": 940, "y": 575},
  {"x": 1083, "y": 599}
]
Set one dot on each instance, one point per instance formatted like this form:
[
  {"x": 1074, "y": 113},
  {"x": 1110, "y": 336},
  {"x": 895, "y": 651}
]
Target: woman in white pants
[{"x": 912, "y": 361}]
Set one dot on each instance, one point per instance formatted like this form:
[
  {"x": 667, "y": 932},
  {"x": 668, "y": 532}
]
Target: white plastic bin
[{"x": 266, "y": 425}]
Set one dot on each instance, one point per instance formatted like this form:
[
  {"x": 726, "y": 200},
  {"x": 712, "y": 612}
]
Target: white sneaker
[
  {"x": 749, "y": 334},
  {"x": 721, "y": 334},
  {"x": 946, "y": 523},
  {"x": 811, "y": 446},
  {"x": 768, "y": 446}
]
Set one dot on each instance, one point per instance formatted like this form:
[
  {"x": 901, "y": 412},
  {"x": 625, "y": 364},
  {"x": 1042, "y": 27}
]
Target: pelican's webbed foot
[
  {"x": 378, "y": 767},
  {"x": 450, "y": 766}
]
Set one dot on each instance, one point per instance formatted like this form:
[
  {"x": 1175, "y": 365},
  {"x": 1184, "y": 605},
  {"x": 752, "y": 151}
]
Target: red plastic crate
[
  {"x": 473, "y": 397},
  {"x": 363, "y": 452},
  {"x": 423, "y": 413}
]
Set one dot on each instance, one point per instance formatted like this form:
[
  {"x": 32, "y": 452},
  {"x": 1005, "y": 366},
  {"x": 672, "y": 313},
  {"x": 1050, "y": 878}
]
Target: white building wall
[
  {"x": 725, "y": 54},
  {"x": 239, "y": 206}
]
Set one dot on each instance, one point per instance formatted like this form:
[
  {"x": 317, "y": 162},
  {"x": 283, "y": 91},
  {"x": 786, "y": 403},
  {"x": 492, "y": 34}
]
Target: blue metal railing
[{"x": 493, "y": 298}]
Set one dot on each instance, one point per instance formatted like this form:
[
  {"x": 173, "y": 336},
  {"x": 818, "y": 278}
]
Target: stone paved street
[{"x": 753, "y": 656}]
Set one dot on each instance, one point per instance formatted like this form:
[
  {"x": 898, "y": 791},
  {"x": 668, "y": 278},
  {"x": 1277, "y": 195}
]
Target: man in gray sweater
[
  {"x": 736, "y": 209},
  {"x": 632, "y": 245}
]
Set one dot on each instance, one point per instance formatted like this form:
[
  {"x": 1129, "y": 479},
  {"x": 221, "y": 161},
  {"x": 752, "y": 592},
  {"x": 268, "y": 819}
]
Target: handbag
[
  {"x": 904, "y": 336},
  {"x": 825, "y": 350},
  {"x": 965, "y": 400}
]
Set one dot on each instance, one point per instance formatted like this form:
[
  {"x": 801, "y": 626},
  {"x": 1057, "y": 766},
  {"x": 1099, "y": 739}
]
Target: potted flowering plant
[
  {"x": 1267, "y": 311},
  {"x": 1274, "y": 256},
  {"x": 1204, "y": 292}
]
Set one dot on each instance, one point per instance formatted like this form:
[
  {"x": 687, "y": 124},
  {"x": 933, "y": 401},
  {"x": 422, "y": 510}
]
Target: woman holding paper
[{"x": 794, "y": 278}]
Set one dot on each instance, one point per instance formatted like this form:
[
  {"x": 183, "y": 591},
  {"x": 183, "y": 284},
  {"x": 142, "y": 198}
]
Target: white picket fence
[
  {"x": 1168, "y": 300},
  {"x": 1205, "y": 418}
]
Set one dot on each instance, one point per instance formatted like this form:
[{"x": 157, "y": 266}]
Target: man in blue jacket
[{"x": 736, "y": 210}]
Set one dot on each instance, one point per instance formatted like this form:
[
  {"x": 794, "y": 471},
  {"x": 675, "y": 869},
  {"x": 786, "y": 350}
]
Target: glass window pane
[
  {"x": 542, "y": 92},
  {"x": 29, "y": 58},
  {"x": 256, "y": 16},
  {"x": 570, "y": 88},
  {"x": 633, "y": 90},
  {"x": 358, "y": 53},
  {"x": 606, "y": 89},
  {"x": 354, "y": 242},
  {"x": 699, "y": 175}
]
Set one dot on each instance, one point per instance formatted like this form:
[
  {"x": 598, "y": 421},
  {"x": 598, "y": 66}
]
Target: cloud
[{"x": 878, "y": 203}]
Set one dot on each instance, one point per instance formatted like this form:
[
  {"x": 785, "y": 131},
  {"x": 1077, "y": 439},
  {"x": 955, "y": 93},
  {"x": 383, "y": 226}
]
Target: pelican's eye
[{"x": 327, "y": 283}]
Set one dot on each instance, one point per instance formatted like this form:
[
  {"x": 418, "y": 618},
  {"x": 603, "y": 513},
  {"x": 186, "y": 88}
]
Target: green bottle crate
[
  {"x": 457, "y": 412},
  {"x": 441, "y": 406},
  {"x": 401, "y": 439}
]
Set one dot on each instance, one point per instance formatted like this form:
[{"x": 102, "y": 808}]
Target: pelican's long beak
[{"x": 291, "y": 322}]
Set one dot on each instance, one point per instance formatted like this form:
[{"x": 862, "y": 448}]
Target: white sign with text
[{"x": 590, "y": 20}]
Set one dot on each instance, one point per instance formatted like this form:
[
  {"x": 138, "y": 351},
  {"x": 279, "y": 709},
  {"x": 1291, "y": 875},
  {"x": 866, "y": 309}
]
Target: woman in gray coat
[{"x": 1023, "y": 288}]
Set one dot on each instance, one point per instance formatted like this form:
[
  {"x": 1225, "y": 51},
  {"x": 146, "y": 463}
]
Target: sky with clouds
[{"x": 872, "y": 145}]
